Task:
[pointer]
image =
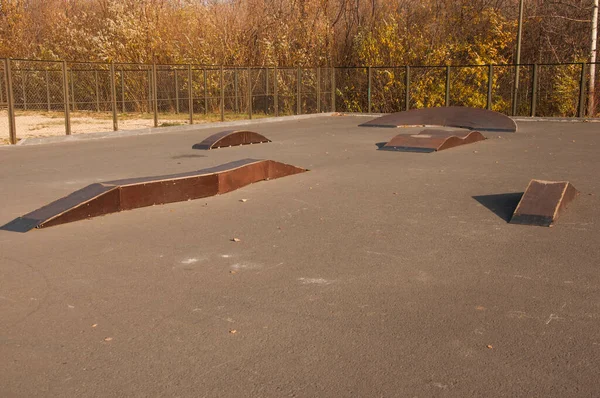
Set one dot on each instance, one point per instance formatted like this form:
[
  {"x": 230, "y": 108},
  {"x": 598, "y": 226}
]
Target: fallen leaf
[
  {"x": 243, "y": 200},
  {"x": 94, "y": 325},
  {"x": 233, "y": 331},
  {"x": 480, "y": 308},
  {"x": 490, "y": 347},
  {"x": 233, "y": 272},
  {"x": 236, "y": 240},
  {"x": 108, "y": 339}
]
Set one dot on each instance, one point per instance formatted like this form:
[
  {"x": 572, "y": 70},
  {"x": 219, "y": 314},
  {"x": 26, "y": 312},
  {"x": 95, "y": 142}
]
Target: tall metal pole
[
  {"x": 518, "y": 58},
  {"x": 592, "y": 82},
  {"x": 12, "y": 127},
  {"x": 298, "y": 91},
  {"x": 369, "y": 80}
]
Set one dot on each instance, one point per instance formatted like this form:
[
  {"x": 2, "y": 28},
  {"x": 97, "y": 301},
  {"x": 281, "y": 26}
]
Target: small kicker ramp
[
  {"x": 543, "y": 202},
  {"x": 114, "y": 196},
  {"x": 448, "y": 116},
  {"x": 231, "y": 138},
  {"x": 428, "y": 141}
]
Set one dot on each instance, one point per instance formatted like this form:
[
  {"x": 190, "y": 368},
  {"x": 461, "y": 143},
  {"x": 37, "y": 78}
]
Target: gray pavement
[{"x": 374, "y": 274}]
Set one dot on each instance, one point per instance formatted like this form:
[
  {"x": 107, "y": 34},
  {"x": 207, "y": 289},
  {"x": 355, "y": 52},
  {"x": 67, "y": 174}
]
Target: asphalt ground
[{"x": 376, "y": 273}]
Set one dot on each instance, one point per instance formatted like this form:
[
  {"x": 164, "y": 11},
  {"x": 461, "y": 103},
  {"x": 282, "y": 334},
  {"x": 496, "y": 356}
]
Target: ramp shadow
[
  {"x": 380, "y": 144},
  {"x": 503, "y": 205}
]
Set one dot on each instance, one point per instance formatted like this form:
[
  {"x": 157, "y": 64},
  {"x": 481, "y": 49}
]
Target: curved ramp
[
  {"x": 450, "y": 116},
  {"x": 231, "y": 138},
  {"x": 431, "y": 141},
  {"x": 114, "y": 196}
]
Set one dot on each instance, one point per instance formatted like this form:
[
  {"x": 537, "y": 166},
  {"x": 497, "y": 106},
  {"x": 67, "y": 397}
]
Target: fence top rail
[{"x": 120, "y": 65}]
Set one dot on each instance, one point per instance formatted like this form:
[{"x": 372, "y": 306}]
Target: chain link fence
[{"x": 55, "y": 97}]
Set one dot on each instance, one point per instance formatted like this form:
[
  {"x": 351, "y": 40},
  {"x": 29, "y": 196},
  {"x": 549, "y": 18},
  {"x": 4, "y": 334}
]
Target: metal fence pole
[
  {"x": 12, "y": 127},
  {"x": 205, "y": 93},
  {"x": 236, "y": 108},
  {"x": 155, "y": 94},
  {"x": 66, "y": 98},
  {"x": 534, "y": 79},
  {"x": 407, "y": 85},
  {"x": 113, "y": 97},
  {"x": 333, "y": 89},
  {"x": 490, "y": 86},
  {"x": 176, "y": 91},
  {"x": 71, "y": 74},
  {"x": 97, "y": 91},
  {"x": 298, "y": 91},
  {"x": 276, "y": 91},
  {"x": 190, "y": 94},
  {"x": 23, "y": 83},
  {"x": 267, "y": 98},
  {"x": 447, "y": 85},
  {"x": 581, "y": 111},
  {"x": 369, "y": 77},
  {"x": 48, "y": 90},
  {"x": 249, "y": 93},
  {"x": 516, "y": 92},
  {"x": 318, "y": 90},
  {"x": 123, "y": 109},
  {"x": 149, "y": 89},
  {"x": 222, "y": 84}
]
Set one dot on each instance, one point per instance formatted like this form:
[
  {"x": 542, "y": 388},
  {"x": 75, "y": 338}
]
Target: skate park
[{"x": 367, "y": 261}]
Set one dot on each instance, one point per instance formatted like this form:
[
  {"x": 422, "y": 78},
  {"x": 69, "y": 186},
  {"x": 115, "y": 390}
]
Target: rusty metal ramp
[
  {"x": 543, "y": 202},
  {"x": 450, "y": 116},
  {"x": 429, "y": 140},
  {"x": 114, "y": 196},
  {"x": 231, "y": 138}
]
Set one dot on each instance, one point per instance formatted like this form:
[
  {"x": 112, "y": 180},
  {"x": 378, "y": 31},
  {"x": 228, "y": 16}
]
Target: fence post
[
  {"x": 23, "y": 83},
  {"x": 370, "y": 75},
  {"x": 97, "y": 91},
  {"x": 66, "y": 98},
  {"x": 113, "y": 97},
  {"x": 298, "y": 91},
  {"x": 267, "y": 101},
  {"x": 205, "y": 92},
  {"x": 516, "y": 93},
  {"x": 249, "y": 93},
  {"x": 74, "y": 108},
  {"x": 319, "y": 90},
  {"x": 149, "y": 89},
  {"x": 407, "y": 85},
  {"x": 490, "y": 86},
  {"x": 12, "y": 127},
  {"x": 48, "y": 89},
  {"x": 333, "y": 89},
  {"x": 447, "y": 85},
  {"x": 236, "y": 91},
  {"x": 155, "y": 94},
  {"x": 222, "y": 84},
  {"x": 276, "y": 93},
  {"x": 190, "y": 94},
  {"x": 123, "y": 109},
  {"x": 534, "y": 79},
  {"x": 176, "y": 91},
  {"x": 581, "y": 111}
]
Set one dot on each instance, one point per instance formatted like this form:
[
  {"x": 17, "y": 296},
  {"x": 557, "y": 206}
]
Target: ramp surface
[
  {"x": 231, "y": 138},
  {"x": 431, "y": 141},
  {"x": 543, "y": 202},
  {"x": 114, "y": 196},
  {"x": 450, "y": 116}
]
